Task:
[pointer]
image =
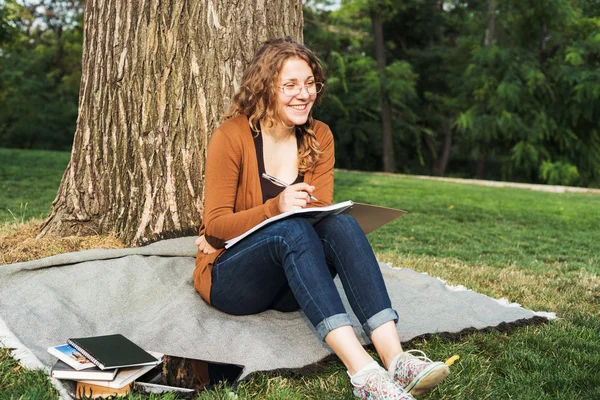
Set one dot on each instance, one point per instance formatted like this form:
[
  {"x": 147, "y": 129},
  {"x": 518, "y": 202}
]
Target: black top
[{"x": 269, "y": 189}]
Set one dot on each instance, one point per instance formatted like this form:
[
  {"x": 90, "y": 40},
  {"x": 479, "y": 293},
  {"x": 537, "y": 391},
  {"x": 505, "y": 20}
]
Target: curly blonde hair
[{"x": 257, "y": 97}]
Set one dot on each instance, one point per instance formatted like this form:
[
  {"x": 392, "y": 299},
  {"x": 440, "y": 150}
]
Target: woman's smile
[{"x": 299, "y": 107}]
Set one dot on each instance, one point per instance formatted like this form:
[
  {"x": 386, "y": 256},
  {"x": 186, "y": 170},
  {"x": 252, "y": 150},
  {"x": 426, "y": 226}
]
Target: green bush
[{"x": 559, "y": 173}]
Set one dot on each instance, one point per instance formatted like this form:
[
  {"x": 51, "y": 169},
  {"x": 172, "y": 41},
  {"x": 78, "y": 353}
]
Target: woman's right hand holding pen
[{"x": 295, "y": 196}]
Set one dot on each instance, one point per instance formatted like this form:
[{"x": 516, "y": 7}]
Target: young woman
[{"x": 290, "y": 264}]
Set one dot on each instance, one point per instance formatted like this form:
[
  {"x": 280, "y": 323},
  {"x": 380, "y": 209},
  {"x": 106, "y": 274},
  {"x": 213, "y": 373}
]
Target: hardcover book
[
  {"x": 125, "y": 375},
  {"x": 112, "y": 351},
  {"x": 60, "y": 370},
  {"x": 89, "y": 391}
]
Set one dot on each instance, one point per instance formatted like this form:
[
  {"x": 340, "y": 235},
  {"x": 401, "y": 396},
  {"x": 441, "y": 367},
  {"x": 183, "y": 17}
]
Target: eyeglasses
[{"x": 294, "y": 89}]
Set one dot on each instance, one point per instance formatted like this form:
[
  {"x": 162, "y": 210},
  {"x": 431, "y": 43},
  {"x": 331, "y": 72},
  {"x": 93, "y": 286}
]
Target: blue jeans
[{"x": 290, "y": 264}]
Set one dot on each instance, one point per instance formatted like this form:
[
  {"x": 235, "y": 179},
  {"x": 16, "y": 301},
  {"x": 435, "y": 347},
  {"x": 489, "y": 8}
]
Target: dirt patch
[{"x": 18, "y": 243}]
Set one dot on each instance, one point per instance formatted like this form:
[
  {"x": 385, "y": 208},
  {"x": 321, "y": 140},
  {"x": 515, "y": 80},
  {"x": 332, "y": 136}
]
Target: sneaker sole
[{"x": 428, "y": 379}]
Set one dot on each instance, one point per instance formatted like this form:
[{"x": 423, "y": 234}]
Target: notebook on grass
[{"x": 113, "y": 351}]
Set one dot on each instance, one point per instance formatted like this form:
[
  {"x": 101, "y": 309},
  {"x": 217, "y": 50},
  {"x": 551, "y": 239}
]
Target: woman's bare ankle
[{"x": 346, "y": 346}]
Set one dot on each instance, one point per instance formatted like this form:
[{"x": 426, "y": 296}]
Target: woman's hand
[
  {"x": 295, "y": 196},
  {"x": 203, "y": 245}
]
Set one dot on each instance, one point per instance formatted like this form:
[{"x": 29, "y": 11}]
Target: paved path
[{"x": 481, "y": 182}]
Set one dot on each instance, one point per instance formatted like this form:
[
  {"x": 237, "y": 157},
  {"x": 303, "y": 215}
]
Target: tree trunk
[
  {"x": 439, "y": 161},
  {"x": 430, "y": 152},
  {"x": 156, "y": 76},
  {"x": 389, "y": 164},
  {"x": 491, "y": 24},
  {"x": 489, "y": 37},
  {"x": 480, "y": 167},
  {"x": 543, "y": 41},
  {"x": 442, "y": 162}
]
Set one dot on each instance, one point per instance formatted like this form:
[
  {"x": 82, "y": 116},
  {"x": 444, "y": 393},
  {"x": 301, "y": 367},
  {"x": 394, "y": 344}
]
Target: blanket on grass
[{"x": 147, "y": 294}]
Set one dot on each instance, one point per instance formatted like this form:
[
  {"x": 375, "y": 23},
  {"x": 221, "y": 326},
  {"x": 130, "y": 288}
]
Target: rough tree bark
[
  {"x": 156, "y": 76},
  {"x": 389, "y": 163}
]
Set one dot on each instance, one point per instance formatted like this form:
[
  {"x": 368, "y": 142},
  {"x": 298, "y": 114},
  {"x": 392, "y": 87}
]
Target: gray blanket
[{"x": 147, "y": 294}]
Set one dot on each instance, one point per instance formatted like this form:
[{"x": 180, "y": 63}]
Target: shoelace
[
  {"x": 378, "y": 379},
  {"x": 419, "y": 355}
]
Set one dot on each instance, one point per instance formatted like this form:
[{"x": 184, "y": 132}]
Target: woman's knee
[
  {"x": 341, "y": 224},
  {"x": 247, "y": 297},
  {"x": 294, "y": 231},
  {"x": 346, "y": 220}
]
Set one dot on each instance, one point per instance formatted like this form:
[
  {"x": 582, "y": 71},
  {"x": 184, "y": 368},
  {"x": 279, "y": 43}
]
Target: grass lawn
[
  {"x": 29, "y": 181},
  {"x": 539, "y": 249}
]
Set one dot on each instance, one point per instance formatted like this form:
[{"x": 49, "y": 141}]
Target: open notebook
[{"x": 369, "y": 217}]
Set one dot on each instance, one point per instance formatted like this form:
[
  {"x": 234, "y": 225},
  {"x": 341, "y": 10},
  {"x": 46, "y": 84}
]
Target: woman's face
[{"x": 294, "y": 107}]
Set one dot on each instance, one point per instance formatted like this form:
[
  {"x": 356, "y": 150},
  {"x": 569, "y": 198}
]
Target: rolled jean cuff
[
  {"x": 383, "y": 316},
  {"x": 331, "y": 323}
]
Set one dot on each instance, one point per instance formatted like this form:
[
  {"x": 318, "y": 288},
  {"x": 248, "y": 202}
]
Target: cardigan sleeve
[
  {"x": 223, "y": 170},
  {"x": 322, "y": 174}
]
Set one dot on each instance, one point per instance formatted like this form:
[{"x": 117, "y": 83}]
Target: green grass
[
  {"x": 497, "y": 226},
  {"x": 19, "y": 383},
  {"x": 29, "y": 181},
  {"x": 536, "y": 248}
]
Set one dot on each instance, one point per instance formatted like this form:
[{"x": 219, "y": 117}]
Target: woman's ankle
[
  {"x": 345, "y": 344},
  {"x": 358, "y": 379},
  {"x": 387, "y": 343}
]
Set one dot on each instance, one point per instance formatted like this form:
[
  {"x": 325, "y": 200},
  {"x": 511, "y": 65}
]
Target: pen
[{"x": 282, "y": 183}]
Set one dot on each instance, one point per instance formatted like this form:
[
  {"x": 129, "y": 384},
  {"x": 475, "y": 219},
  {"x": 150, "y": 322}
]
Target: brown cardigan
[{"x": 233, "y": 196}]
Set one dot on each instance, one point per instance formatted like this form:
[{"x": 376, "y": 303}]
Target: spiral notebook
[{"x": 113, "y": 351}]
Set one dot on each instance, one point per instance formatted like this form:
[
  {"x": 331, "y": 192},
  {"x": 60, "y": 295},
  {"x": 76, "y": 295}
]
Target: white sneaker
[
  {"x": 417, "y": 374},
  {"x": 379, "y": 385}
]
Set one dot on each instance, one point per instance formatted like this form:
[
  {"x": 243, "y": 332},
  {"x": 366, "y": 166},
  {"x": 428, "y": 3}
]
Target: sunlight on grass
[
  {"x": 18, "y": 242},
  {"x": 565, "y": 292},
  {"x": 494, "y": 226}
]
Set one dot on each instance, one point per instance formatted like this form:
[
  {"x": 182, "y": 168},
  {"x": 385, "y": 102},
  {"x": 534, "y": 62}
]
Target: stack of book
[{"x": 102, "y": 365}]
